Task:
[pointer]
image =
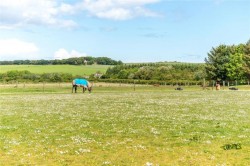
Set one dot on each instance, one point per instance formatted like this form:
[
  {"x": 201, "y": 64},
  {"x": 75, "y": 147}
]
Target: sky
[{"x": 126, "y": 30}]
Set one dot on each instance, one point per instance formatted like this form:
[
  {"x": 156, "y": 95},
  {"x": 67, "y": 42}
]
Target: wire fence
[{"x": 132, "y": 86}]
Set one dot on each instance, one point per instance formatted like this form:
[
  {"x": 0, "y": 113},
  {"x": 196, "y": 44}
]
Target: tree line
[
  {"x": 161, "y": 72},
  {"x": 27, "y": 76},
  {"x": 229, "y": 62},
  {"x": 70, "y": 61}
]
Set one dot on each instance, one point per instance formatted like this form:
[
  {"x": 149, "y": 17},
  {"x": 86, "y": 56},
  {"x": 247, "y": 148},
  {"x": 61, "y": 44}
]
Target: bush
[{"x": 26, "y": 76}]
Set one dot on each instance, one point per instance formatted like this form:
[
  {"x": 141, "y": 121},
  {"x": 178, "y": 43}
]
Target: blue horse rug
[{"x": 81, "y": 82}]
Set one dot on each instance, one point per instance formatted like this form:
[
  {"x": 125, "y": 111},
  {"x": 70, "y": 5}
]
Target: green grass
[
  {"x": 118, "y": 126},
  {"x": 73, "y": 69}
]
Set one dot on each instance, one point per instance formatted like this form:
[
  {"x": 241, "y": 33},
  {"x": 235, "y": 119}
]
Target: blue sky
[{"x": 127, "y": 30}]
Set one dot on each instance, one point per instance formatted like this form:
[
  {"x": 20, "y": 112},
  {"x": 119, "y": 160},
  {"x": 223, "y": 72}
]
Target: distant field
[
  {"x": 165, "y": 63},
  {"x": 74, "y": 70},
  {"x": 116, "y": 125}
]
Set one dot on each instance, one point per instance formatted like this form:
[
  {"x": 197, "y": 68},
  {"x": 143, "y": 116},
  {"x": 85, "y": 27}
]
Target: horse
[{"x": 81, "y": 83}]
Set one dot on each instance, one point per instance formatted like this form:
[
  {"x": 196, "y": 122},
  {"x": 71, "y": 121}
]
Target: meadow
[
  {"x": 115, "y": 125},
  {"x": 71, "y": 69}
]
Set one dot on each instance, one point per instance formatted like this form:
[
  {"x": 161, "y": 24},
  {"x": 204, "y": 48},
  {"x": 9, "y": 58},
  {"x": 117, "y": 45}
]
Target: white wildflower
[
  {"x": 106, "y": 162},
  {"x": 154, "y": 131},
  {"x": 149, "y": 164}
]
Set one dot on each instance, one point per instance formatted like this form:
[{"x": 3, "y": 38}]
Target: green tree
[
  {"x": 216, "y": 62},
  {"x": 234, "y": 67},
  {"x": 246, "y": 59},
  {"x": 123, "y": 74},
  {"x": 145, "y": 73}
]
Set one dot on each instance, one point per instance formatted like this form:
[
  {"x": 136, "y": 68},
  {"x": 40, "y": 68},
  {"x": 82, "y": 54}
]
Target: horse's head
[{"x": 90, "y": 88}]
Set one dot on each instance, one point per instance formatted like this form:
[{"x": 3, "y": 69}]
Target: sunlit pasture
[
  {"x": 123, "y": 125},
  {"x": 72, "y": 69}
]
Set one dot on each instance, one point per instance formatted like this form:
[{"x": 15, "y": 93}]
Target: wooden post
[
  {"x": 43, "y": 86},
  {"x": 134, "y": 85},
  {"x": 204, "y": 83}
]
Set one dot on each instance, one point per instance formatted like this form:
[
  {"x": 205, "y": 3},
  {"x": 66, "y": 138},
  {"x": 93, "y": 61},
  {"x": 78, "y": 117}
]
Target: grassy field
[
  {"x": 73, "y": 69},
  {"x": 115, "y": 125}
]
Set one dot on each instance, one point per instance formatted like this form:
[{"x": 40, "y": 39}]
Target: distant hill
[
  {"x": 163, "y": 63},
  {"x": 70, "y": 61}
]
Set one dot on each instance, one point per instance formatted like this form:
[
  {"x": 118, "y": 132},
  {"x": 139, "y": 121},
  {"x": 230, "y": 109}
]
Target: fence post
[
  {"x": 204, "y": 83},
  {"x": 43, "y": 86},
  {"x": 134, "y": 85}
]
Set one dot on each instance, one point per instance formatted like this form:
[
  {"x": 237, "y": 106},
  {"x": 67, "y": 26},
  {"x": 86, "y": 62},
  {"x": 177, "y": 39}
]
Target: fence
[
  {"x": 132, "y": 84},
  {"x": 35, "y": 87}
]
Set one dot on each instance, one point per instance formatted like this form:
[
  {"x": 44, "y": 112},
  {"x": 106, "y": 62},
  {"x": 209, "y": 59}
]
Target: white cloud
[
  {"x": 64, "y": 54},
  {"x": 118, "y": 9},
  {"x": 115, "y": 13},
  {"x": 15, "y": 49},
  {"x": 39, "y": 12},
  {"x": 18, "y": 13},
  {"x": 67, "y": 8}
]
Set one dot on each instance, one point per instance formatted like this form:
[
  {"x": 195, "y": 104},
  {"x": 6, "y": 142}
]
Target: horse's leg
[
  {"x": 75, "y": 88},
  {"x": 72, "y": 88},
  {"x": 83, "y": 89}
]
